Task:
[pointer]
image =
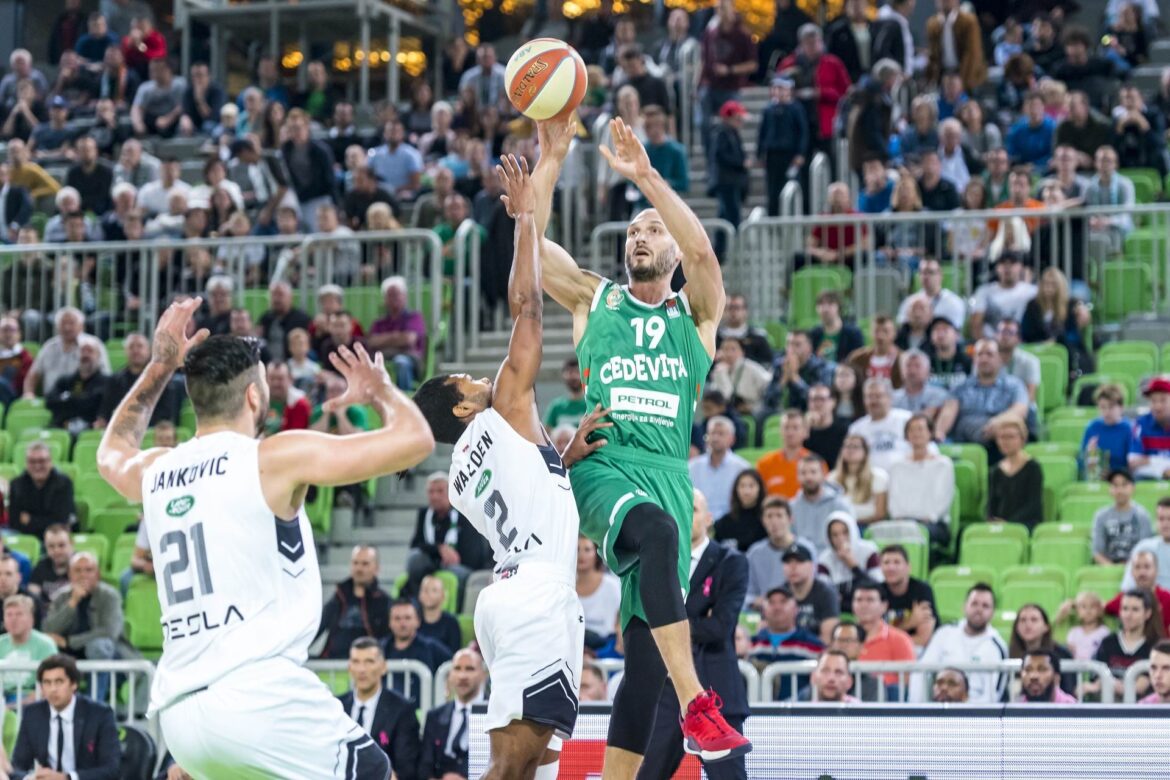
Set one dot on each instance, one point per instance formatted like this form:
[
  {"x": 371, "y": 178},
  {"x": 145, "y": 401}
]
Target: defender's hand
[
  {"x": 363, "y": 377},
  {"x": 516, "y": 180},
  {"x": 580, "y": 448}
]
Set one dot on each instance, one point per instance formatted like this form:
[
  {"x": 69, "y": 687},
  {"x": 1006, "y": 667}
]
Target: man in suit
[
  {"x": 444, "y": 741},
  {"x": 386, "y": 716},
  {"x": 443, "y": 539},
  {"x": 719, "y": 580},
  {"x": 67, "y": 735}
]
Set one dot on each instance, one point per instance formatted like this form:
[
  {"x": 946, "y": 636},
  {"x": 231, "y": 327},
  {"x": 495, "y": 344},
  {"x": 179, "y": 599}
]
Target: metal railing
[
  {"x": 416, "y": 675},
  {"x": 468, "y": 290},
  {"x": 751, "y": 676},
  {"x": 774, "y": 672},
  {"x": 1138, "y": 669},
  {"x": 888, "y": 246},
  {"x": 122, "y": 286}
]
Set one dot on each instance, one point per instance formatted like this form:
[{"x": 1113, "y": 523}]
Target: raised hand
[
  {"x": 171, "y": 345},
  {"x": 555, "y": 135},
  {"x": 363, "y": 377},
  {"x": 628, "y": 157},
  {"x": 519, "y": 197}
]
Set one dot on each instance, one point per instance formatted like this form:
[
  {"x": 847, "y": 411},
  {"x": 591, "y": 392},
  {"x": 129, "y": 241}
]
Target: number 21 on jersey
[{"x": 654, "y": 328}]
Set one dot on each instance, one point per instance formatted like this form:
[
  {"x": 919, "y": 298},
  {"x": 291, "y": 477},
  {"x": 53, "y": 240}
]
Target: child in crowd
[
  {"x": 1105, "y": 445},
  {"x": 304, "y": 371},
  {"x": 1085, "y": 637},
  {"x": 1118, "y": 528}
]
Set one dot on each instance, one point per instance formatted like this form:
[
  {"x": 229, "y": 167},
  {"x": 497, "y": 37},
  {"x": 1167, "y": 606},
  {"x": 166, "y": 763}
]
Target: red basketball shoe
[{"x": 707, "y": 735}]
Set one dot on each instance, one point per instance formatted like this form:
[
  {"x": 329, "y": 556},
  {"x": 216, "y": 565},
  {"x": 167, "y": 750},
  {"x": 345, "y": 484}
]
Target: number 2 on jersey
[
  {"x": 494, "y": 503},
  {"x": 180, "y": 565},
  {"x": 655, "y": 328}
]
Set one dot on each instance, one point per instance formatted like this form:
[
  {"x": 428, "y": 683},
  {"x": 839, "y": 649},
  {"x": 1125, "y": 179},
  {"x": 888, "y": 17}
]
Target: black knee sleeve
[
  {"x": 632, "y": 720},
  {"x": 652, "y": 535}
]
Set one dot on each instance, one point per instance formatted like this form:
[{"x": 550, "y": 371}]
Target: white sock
[{"x": 548, "y": 771}]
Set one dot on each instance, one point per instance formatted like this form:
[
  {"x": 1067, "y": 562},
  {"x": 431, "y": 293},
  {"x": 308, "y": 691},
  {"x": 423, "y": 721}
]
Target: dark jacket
[
  {"x": 839, "y": 40},
  {"x": 395, "y": 729},
  {"x": 783, "y": 129},
  {"x": 473, "y": 549},
  {"x": 75, "y": 398},
  {"x": 321, "y": 182},
  {"x": 96, "y": 751},
  {"x": 434, "y": 761},
  {"x": 117, "y": 388},
  {"x": 869, "y": 122},
  {"x": 346, "y": 617},
  {"x": 16, "y": 209},
  {"x": 887, "y": 41},
  {"x": 45, "y": 505},
  {"x": 423, "y": 649},
  {"x": 94, "y": 186},
  {"x": 718, "y": 588},
  {"x": 731, "y": 171}
]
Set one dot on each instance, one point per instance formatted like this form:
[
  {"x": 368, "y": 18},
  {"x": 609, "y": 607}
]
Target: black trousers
[
  {"x": 776, "y": 165},
  {"x": 665, "y": 752}
]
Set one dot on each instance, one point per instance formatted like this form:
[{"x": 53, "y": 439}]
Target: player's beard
[{"x": 660, "y": 267}]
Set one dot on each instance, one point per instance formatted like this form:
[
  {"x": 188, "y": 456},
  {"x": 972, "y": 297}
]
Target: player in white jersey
[
  {"x": 234, "y": 556},
  {"x": 512, "y": 484}
]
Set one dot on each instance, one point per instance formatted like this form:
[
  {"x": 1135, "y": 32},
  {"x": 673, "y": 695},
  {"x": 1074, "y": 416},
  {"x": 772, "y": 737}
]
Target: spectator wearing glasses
[
  {"x": 736, "y": 324},
  {"x": 826, "y": 431}
]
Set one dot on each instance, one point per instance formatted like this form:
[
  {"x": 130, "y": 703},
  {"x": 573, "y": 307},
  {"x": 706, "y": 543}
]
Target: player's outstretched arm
[
  {"x": 121, "y": 459},
  {"x": 513, "y": 394},
  {"x": 564, "y": 281},
  {"x": 704, "y": 276},
  {"x": 293, "y": 460}
]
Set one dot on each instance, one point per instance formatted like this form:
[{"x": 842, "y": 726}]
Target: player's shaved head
[{"x": 219, "y": 372}]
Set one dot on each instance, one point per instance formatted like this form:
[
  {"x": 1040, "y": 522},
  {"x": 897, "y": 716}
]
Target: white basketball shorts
[
  {"x": 273, "y": 719},
  {"x": 531, "y": 630}
]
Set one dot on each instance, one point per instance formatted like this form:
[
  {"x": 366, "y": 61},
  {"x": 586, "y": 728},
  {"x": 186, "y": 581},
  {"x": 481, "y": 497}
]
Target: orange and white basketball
[{"x": 545, "y": 78}]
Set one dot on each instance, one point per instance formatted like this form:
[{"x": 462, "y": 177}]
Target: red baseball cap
[
  {"x": 1159, "y": 384},
  {"x": 732, "y": 108}
]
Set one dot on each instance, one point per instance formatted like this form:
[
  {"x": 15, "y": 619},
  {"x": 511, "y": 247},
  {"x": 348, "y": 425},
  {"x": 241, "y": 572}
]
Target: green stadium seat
[
  {"x": 1016, "y": 531},
  {"x": 1059, "y": 470},
  {"x": 1002, "y": 621},
  {"x": 96, "y": 492},
  {"x": 1046, "y": 531},
  {"x": 749, "y": 431},
  {"x": 992, "y": 553},
  {"x": 1136, "y": 367},
  {"x": 112, "y": 522},
  {"x": 256, "y": 302},
  {"x": 93, "y": 543},
  {"x": 187, "y": 416},
  {"x": 950, "y": 585},
  {"x": 337, "y": 681},
  {"x": 1049, "y": 595},
  {"x": 320, "y": 511},
  {"x": 1067, "y": 430},
  {"x": 144, "y": 617},
  {"x": 1053, "y": 389},
  {"x": 1033, "y": 573},
  {"x": 365, "y": 303},
  {"x": 972, "y": 506},
  {"x": 399, "y": 584},
  {"x": 908, "y": 533},
  {"x": 121, "y": 556},
  {"x": 466, "y": 629},
  {"x": 85, "y": 453},
  {"x": 18, "y": 421},
  {"x": 771, "y": 432},
  {"x": 1057, "y": 448},
  {"x": 1079, "y": 511},
  {"x": 1130, "y": 348},
  {"x": 5, "y": 445},
  {"x": 1149, "y": 493},
  {"x": 451, "y": 584},
  {"x": 27, "y": 544},
  {"x": 975, "y": 453},
  {"x": 58, "y": 450},
  {"x": 1084, "y": 414},
  {"x": 1068, "y": 553},
  {"x": 752, "y": 454},
  {"x": 68, "y": 469},
  {"x": 117, "y": 354},
  {"x": 1147, "y": 183},
  {"x": 1125, "y": 287},
  {"x": 777, "y": 334},
  {"x": 1105, "y": 581}
]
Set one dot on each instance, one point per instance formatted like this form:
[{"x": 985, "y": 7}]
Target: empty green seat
[
  {"x": 1111, "y": 349},
  {"x": 1058, "y": 448},
  {"x": 93, "y": 543},
  {"x": 1078, "y": 510},
  {"x": 1068, "y": 553},
  {"x": 1126, "y": 287},
  {"x": 1067, "y": 431},
  {"x": 96, "y": 492},
  {"x": 26, "y": 544},
  {"x": 1133, "y": 366},
  {"x": 320, "y": 510},
  {"x": 771, "y": 430},
  {"x": 1016, "y": 531},
  {"x": 992, "y": 553},
  {"x": 20, "y": 420},
  {"x": 111, "y": 522},
  {"x": 451, "y": 585},
  {"x": 950, "y": 585},
  {"x": 1059, "y": 470},
  {"x": 1149, "y": 493},
  {"x": 1048, "y": 594},
  {"x": 1053, "y": 389},
  {"x": 1105, "y": 581},
  {"x": 751, "y": 454},
  {"x": 1046, "y": 531},
  {"x": 85, "y": 454},
  {"x": 144, "y": 617},
  {"x": 123, "y": 553},
  {"x": 466, "y": 628}
]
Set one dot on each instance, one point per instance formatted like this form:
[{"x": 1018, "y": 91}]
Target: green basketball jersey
[{"x": 647, "y": 365}]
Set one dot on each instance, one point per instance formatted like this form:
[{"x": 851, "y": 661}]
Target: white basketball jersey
[
  {"x": 515, "y": 493},
  {"x": 236, "y": 584}
]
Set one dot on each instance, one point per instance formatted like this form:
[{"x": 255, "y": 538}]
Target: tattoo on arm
[{"x": 133, "y": 415}]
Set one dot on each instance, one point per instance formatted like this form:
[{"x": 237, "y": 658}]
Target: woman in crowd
[
  {"x": 272, "y": 124},
  {"x": 438, "y": 141},
  {"x": 611, "y": 186},
  {"x": 1033, "y": 631},
  {"x": 848, "y": 558},
  {"x": 600, "y": 594},
  {"x": 1141, "y": 628},
  {"x": 1055, "y": 316},
  {"x": 417, "y": 119},
  {"x": 922, "y": 485},
  {"x": 865, "y": 486},
  {"x": 970, "y": 237},
  {"x": 741, "y": 527},
  {"x": 1016, "y": 489},
  {"x": 847, "y": 392},
  {"x": 979, "y": 135}
]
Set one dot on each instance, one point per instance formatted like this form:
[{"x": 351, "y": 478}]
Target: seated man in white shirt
[
  {"x": 715, "y": 472},
  {"x": 743, "y": 381},
  {"x": 883, "y": 427},
  {"x": 943, "y": 302},
  {"x": 386, "y": 716},
  {"x": 48, "y": 743}
]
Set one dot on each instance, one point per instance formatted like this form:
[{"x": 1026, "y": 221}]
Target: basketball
[{"x": 545, "y": 78}]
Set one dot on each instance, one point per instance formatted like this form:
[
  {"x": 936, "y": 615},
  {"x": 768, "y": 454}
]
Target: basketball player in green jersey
[{"x": 644, "y": 353}]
